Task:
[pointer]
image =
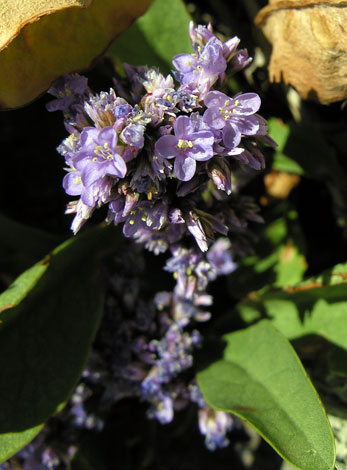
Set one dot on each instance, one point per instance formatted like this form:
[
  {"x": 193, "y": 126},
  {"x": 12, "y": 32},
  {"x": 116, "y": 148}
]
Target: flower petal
[
  {"x": 108, "y": 136},
  {"x": 215, "y": 98},
  {"x": 213, "y": 118},
  {"x": 248, "y": 103},
  {"x": 184, "y": 168},
  {"x": 184, "y": 62},
  {"x": 231, "y": 136},
  {"x": 166, "y": 146},
  {"x": 183, "y": 127},
  {"x": 92, "y": 172},
  {"x": 72, "y": 183}
]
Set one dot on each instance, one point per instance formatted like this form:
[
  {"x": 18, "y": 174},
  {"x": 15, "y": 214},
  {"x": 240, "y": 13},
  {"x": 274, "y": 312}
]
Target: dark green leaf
[
  {"x": 155, "y": 37},
  {"x": 261, "y": 379},
  {"x": 317, "y": 307},
  {"x": 48, "y": 320}
]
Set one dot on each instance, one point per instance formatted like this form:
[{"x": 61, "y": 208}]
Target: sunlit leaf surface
[
  {"x": 261, "y": 379},
  {"x": 58, "y": 43}
]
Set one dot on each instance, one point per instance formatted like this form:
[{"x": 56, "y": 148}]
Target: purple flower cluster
[
  {"x": 165, "y": 155},
  {"x": 151, "y": 151}
]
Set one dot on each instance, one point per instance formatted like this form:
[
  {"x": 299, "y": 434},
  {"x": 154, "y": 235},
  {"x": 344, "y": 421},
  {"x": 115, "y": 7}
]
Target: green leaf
[
  {"x": 317, "y": 307},
  {"x": 48, "y": 320},
  {"x": 155, "y": 37},
  {"x": 280, "y": 133},
  {"x": 261, "y": 379},
  {"x": 47, "y": 41}
]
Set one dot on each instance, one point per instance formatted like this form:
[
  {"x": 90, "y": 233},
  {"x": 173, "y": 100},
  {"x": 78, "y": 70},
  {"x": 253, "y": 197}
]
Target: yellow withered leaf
[
  {"x": 309, "y": 41},
  {"x": 44, "y": 39}
]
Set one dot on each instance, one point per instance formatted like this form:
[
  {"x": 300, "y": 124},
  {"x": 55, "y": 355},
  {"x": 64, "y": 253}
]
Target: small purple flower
[
  {"x": 99, "y": 155},
  {"x": 68, "y": 90},
  {"x": 204, "y": 67},
  {"x": 146, "y": 215},
  {"x": 186, "y": 146},
  {"x": 214, "y": 425},
  {"x": 240, "y": 60},
  {"x": 200, "y": 34},
  {"x": 235, "y": 116},
  {"x": 133, "y": 135},
  {"x": 219, "y": 257}
]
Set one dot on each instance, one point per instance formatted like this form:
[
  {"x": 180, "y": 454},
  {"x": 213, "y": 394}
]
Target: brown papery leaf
[
  {"x": 309, "y": 40},
  {"x": 45, "y": 39}
]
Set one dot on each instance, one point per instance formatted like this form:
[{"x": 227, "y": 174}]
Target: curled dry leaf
[
  {"x": 45, "y": 39},
  {"x": 309, "y": 40}
]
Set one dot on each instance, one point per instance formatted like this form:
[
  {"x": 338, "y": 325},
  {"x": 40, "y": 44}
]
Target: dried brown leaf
[{"x": 309, "y": 40}]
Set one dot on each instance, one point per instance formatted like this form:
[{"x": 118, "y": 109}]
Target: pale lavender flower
[
  {"x": 68, "y": 90},
  {"x": 200, "y": 35},
  {"x": 240, "y": 60},
  {"x": 235, "y": 116},
  {"x": 146, "y": 215},
  {"x": 203, "y": 67},
  {"x": 133, "y": 135},
  {"x": 186, "y": 146},
  {"x": 214, "y": 425},
  {"x": 220, "y": 258},
  {"x": 99, "y": 155}
]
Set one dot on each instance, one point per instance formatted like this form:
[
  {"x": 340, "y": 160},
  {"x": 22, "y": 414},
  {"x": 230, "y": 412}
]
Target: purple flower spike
[
  {"x": 187, "y": 146},
  {"x": 234, "y": 115},
  {"x": 99, "y": 155}
]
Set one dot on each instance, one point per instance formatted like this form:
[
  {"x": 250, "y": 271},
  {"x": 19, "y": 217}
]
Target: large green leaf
[
  {"x": 45, "y": 40},
  {"x": 317, "y": 307},
  {"x": 261, "y": 379},
  {"x": 48, "y": 320},
  {"x": 155, "y": 37}
]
